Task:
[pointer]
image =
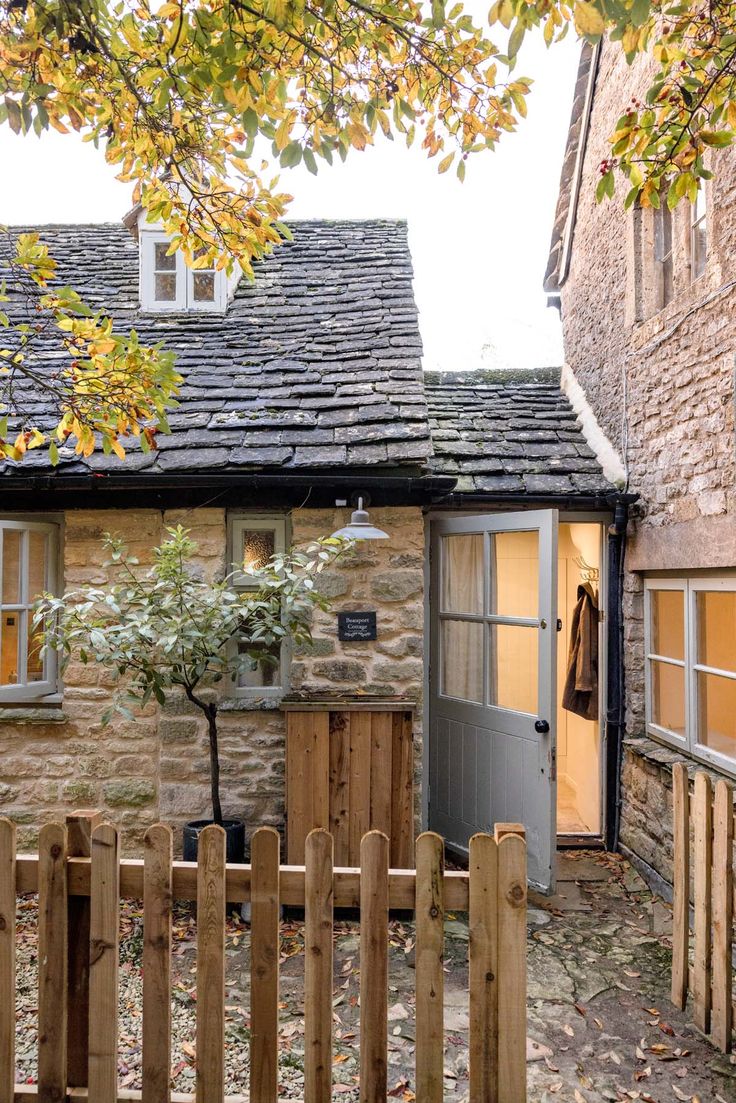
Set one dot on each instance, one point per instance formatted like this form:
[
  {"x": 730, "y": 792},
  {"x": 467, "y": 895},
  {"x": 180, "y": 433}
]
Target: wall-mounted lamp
[{"x": 360, "y": 527}]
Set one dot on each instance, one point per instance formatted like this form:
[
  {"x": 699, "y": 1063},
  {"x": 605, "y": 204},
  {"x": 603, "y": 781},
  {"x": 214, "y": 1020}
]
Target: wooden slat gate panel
[
  {"x": 493, "y": 890},
  {"x": 350, "y": 770}
]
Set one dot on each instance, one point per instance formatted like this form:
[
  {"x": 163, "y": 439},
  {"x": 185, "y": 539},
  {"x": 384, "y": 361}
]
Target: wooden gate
[
  {"x": 350, "y": 769},
  {"x": 709, "y": 978},
  {"x": 79, "y": 903}
]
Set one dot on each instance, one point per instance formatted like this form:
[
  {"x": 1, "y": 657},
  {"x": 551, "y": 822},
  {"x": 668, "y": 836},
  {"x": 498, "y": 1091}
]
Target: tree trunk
[
  {"x": 209, "y": 708},
  {"x": 214, "y": 763}
]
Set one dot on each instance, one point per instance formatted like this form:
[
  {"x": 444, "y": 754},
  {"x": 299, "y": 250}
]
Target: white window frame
[
  {"x": 184, "y": 300},
  {"x": 24, "y": 691},
  {"x": 688, "y": 744},
  {"x": 237, "y": 524}
]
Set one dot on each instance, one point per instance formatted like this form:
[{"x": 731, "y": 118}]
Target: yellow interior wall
[
  {"x": 578, "y": 739},
  {"x": 517, "y": 573}
]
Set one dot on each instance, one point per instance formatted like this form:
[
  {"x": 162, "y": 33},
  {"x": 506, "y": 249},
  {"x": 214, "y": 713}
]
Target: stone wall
[
  {"x": 156, "y": 766},
  {"x": 660, "y": 381}
]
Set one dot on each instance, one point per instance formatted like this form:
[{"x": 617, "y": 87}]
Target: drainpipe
[{"x": 615, "y": 712}]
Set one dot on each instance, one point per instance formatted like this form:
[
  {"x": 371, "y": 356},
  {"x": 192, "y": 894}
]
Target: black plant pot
[{"x": 234, "y": 839}]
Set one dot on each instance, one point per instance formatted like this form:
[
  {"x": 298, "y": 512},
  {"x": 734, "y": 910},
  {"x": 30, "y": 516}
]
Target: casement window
[
  {"x": 690, "y": 634},
  {"x": 698, "y": 234},
  {"x": 28, "y": 567},
  {"x": 168, "y": 284},
  {"x": 664, "y": 255},
  {"x": 251, "y": 542}
]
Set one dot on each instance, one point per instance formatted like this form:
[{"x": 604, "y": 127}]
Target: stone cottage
[
  {"x": 648, "y": 304},
  {"x": 302, "y": 392}
]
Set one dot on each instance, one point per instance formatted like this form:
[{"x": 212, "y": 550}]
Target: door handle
[{"x": 541, "y": 726}]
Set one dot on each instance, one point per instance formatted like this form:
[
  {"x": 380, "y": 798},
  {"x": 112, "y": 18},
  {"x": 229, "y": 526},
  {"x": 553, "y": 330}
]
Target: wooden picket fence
[
  {"x": 80, "y": 880},
  {"x": 710, "y": 977}
]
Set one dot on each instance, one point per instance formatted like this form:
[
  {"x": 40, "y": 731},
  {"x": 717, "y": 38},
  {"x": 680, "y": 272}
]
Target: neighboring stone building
[
  {"x": 648, "y": 305},
  {"x": 303, "y": 391}
]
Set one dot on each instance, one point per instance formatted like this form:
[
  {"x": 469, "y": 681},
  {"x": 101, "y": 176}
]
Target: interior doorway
[{"x": 579, "y": 759}]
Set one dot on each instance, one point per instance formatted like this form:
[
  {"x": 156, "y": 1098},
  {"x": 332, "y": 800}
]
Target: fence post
[
  {"x": 52, "y": 962},
  {"x": 512, "y": 894},
  {"x": 703, "y": 888},
  {"x": 79, "y": 828},
  {"x": 722, "y": 1019},
  {"x": 7, "y": 961},
  {"x": 430, "y": 941},
  {"x": 483, "y": 969},
  {"x": 681, "y": 885},
  {"x": 318, "y": 923}
]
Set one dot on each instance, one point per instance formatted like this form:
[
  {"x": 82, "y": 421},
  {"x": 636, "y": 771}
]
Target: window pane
[
  {"x": 698, "y": 248},
  {"x": 515, "y": 574},
  {"x": 204, "y": 287},
  {"x": 514, "y": 667},
  {"x": 461, "y": 647},
  {"x": 166, "y": 287},
  {"x": 35, "y": 664},
  {"x": 716, "y": 629},
  {"x": 462, "y": 565},
  {"x": 258, "y": 547},
  {"x": 717, "y": 713},
  {"x": 668, "y": 623},
  {"x": 668, "y": 697},
  {"x": 36, "y": 564},
  {"x": 12, "y": 543},
  {"x": 261, "y": 670},
  {"x": 163, "y": 262},
  {"x": 10, "y": 629}
]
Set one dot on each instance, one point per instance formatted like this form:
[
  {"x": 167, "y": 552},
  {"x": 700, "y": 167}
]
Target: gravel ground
[{"x": 600, "y": 1023}]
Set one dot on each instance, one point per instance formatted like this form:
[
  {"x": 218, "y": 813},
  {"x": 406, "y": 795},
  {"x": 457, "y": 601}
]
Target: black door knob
[{"x": 541, "y": 726}]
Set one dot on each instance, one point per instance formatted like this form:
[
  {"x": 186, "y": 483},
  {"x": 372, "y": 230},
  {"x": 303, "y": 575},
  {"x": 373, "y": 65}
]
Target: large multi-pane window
[
  {"x": 252, "y": 541},
  {"x": 691, "y": 665},
  {"x": 28, "y": 568}
]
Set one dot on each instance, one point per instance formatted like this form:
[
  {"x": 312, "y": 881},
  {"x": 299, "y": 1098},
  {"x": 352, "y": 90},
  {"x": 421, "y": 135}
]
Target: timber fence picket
[
  {"x": 709, "y": 812},
  {"x": 81, "y": 880}
]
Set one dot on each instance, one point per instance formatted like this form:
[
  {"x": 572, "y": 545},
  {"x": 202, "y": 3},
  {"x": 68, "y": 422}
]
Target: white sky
[{"x": 479, "y": 248}]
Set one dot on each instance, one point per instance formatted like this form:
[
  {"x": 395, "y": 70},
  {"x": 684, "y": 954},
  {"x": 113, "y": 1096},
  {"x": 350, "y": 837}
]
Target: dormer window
[{"x": 167, "y": 283}]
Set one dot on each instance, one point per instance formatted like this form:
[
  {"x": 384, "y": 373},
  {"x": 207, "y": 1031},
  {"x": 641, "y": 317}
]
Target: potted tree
[{"x": 168, "y": 628}]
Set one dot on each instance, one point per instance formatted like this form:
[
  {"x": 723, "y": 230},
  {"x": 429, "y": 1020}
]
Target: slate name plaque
[{"x": 354, "y": 627}]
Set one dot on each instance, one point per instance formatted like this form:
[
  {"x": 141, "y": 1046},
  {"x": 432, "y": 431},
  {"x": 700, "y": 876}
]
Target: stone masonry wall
[
  {"x": 659, "y": 381},
  {"x": 661, "y": 384},
  {"x": 156, "y": 767}
]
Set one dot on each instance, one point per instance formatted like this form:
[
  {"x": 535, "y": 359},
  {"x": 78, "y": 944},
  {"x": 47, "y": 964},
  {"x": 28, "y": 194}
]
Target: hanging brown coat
[{"x": 581, "y": 683}]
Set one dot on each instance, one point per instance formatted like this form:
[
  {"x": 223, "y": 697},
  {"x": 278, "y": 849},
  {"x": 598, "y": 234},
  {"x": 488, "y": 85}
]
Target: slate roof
[
  {"x": 316, "y": 364},
  {"x": 509, "y": 432}
]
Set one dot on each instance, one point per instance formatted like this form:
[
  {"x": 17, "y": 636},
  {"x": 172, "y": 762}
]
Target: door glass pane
[
  {"x": 11, "y": 566},
  {"x": 668, "y": 696},
  {"x": 36, "y": 565},
  {"x": 668, "y": 623},
  {"x": 515, "y": 574},
  {"x": 462, "y": 570},
  {"x": 514, "y": 661},
  {"x": 461, "y": 648},
  {"x": 717, "y": 713},
  {"x": 10, "y": 627},
  {"x": 717, "y": 629}
]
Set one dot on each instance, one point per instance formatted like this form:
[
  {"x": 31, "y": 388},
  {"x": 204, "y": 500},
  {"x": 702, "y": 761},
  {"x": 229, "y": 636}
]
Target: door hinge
[{"x": 553, "y": 763}]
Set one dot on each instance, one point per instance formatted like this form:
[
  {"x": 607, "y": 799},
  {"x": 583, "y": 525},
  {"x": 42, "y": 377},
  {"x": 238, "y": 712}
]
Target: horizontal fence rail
[
  {"x": 708, "y": 817},
  {"x": 80, "y": 880}
]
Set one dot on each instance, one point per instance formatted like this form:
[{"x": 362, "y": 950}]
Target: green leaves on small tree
[{"x": 169, "y": 627}]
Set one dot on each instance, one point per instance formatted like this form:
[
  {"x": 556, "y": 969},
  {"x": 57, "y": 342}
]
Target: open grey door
[{"x": 493, "y": 668}]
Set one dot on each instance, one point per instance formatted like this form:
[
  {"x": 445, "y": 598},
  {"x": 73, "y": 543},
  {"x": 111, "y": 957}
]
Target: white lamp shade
[{"x": 360, "y": 527}]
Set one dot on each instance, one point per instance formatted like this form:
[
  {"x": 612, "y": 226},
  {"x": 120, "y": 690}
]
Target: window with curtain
[
  {"x": 28, "y": 567},
  {"x": 690, "y": 626}
]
